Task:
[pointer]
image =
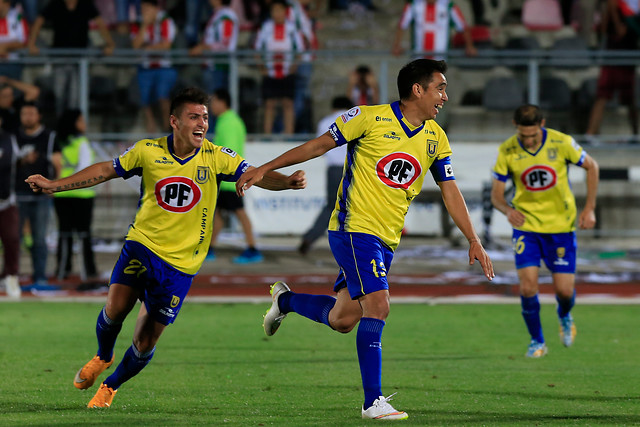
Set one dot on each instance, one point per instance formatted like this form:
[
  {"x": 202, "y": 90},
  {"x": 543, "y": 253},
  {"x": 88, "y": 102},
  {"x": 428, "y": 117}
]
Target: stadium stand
[
  {"x": 542, "y": 15},
  {"x": 502, "y": 94}
]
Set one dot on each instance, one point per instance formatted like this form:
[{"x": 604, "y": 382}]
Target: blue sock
[
  {"x": 368, "y": 343},
  {"x": 132, "y": 363},
  {"x": 107, "y": 331},
  {"x": 565, "y": 305},
  {"x": 314, "y": 307},
  {"x": 531, "y": 314}
]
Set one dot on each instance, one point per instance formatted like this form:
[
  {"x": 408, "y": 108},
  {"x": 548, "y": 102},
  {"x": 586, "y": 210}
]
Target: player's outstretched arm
[
  {"x": 457, "y": 208},
  {"x": 276, "y": 181},
  {"x": 309, "y": 150},
  {"x": 87, "y": 177},
  {"x": 587, "y": 219}
]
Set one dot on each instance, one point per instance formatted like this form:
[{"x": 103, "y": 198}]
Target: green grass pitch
[{"x": 450, "y": 364}]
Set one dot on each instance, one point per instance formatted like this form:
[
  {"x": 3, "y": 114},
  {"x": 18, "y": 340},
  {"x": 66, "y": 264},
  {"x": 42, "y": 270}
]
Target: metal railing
[{"x": 385, "y": 66}]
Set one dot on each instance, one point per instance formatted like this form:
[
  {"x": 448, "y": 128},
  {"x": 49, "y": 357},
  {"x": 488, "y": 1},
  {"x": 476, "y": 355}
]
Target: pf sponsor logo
[
  {"x": 398, "y": 170},
  {"x": 177, "y": 194},
  {"x": 539, "y": 178}
]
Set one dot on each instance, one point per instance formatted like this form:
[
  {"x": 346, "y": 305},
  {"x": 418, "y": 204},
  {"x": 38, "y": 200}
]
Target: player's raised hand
[
  {"x": 297, "y": 180},
  {"x": 587, "y": 219},
  {"x": 39, "y": 183},
  {"x": 247, "y": 179},
  {"x": 477, "y": 252}
]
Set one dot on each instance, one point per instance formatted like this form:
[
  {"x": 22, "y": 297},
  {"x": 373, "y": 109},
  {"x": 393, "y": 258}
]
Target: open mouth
[{"x": 199, "y": 135}]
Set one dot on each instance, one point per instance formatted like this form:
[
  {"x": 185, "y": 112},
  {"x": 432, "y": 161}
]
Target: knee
[
  {"x": 528, "y": 289},
  {"x": 144, "y": 344},
  {"x": 344, "y": 324}
]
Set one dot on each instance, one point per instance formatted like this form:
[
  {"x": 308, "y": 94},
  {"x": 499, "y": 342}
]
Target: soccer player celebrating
[
  {"x": 390, "y": 147},
  {"x": 169, "y": 238},
  {"x": 543, "y": 215}
]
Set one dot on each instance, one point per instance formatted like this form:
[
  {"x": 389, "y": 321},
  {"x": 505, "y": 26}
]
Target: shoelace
[{"x": 385, "y": 401}]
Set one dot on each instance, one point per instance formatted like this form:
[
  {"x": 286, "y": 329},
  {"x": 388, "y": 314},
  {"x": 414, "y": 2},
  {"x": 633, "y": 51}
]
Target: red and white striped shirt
[
  {"x": 431, "y": 23},
  {"x": 163, "y": 29},
  {"x": 299, "y": 17},
  {"x": 13, "y": 28},
  {"x": 221, "y": 32},
  {"x": 279, "y": 43}
]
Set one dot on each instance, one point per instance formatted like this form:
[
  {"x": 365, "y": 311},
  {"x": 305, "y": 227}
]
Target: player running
[
  {"x": 390, "y": 147},
  {"x": 169, "y": 238},
  {"x": 543, "y": 215}
]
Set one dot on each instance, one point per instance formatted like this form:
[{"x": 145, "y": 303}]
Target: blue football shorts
[
  {"x": 162, "y": 287},
  {"x": 364, "y": 261},
  {"x": 557, "y": 250}
]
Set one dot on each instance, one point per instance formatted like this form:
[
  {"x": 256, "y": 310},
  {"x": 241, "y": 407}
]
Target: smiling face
[
  {"x": 432, "y": 98},
  {"x": 190, "y": 125}
]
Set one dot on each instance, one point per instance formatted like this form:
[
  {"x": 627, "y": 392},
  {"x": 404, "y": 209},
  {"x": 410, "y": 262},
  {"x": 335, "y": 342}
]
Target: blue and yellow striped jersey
[
  {"x": 541, "y": 179},
  {"x": 177, "y": 197},
  {"x": 387, "y": 159}
]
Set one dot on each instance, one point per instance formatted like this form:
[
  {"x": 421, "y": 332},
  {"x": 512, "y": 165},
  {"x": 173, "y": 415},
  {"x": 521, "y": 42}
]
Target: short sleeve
[
  {"x": 129, "y": 163},
  {"x": 229, "y": 164},
  {"x": 349, "y": 126},
  {"x": 501, "y": 169}
]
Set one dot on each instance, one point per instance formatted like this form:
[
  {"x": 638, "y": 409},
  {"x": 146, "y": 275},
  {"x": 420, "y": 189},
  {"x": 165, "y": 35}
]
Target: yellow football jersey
[
  {"x": 541, "y": 180},
  {"x": 387, "y": 159},
  {"x": 177, "y": 197}
]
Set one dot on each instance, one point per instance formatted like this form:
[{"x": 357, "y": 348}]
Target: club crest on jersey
[
  {"x": 350, "y": 114},
  {"x": 539, "y": 178},
  {"x": 174, "y": 301},
  {"x": 398, "y": 170},
  {"x": 432, "y": 147},
  {"x": 177, "y": 194},
  {"x": 552, "y": 153},
  {"x": 202, "y": 175}
]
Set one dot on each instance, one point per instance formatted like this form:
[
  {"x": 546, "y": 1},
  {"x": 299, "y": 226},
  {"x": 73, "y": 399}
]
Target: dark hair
[
  {"x": 419, "y": 71},
  {"x": 363, "y": 69},
  {"x": 341, "y": 103},
  {"x": 528, "y": 115},
  {"x": 282, "y": 3},
  {"x": 223, "y": 95},
  {"x": 66, "y": 126},
  {"x": 30, "y": 104},
  {"x": 226, "y": 2},
  {"x": 190, "y": 95},
  {"x": 153, "y": 2}
]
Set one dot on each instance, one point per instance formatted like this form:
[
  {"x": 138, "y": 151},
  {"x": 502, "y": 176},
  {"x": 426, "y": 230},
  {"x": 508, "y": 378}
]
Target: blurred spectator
[
  {"x": 335, "y": 163},
  {"x": 10, "y": 105},
  {"x": 9, "y": 218},
  {"x": 156, "y": 77},
  {"x": 74, "y": 208},
  {"x": 620, "y": 79},
  {"x": 194, "y": 10},
  {"x": 363, "y": 86},
  {"x": 297, "y": 13},
  {"x": 231, "y": 132},
  {"x": 39, "y": 154},
  {"x": 432, "y": 21},
  {"x": 220, "y": 35},
  {"x": 70, "y": 22},
  {"x": 127, "y": 11},
  {"x": 13, "y": 36},
  {"x": 346, "y": 4},
  {"x": 29, "y": 8},
  {"x": 279, "y": 41}
]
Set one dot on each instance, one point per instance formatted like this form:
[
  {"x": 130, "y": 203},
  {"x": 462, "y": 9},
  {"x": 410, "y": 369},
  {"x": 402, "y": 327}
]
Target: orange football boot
[
  {"x": 103, "y": 397},
  {"x": 89, "y": 373}
]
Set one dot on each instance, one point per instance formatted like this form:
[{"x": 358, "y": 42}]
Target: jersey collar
[
  {"x": 178, "y": 159},
  {"x": 544, "y": 139},
  {"x": 395, "y": 107}
]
